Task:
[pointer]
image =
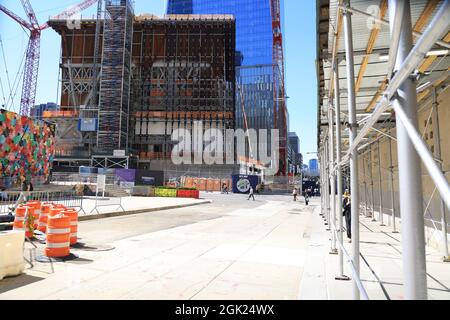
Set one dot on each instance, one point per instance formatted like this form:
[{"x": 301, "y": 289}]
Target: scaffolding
[
  {"x": 412, "y": 77},
  {"x": 114, "y": 100},
  {"x": 183, "y": 72}
]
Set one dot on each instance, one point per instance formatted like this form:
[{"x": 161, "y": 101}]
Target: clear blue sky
[{"x": 300, "y": 46}]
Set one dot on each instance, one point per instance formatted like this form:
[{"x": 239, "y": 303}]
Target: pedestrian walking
[
  {"x": 24, "y": 194},
  {"x": 347, "y": 212},
  {"x": 250, "y": 194},
  {"x": 294, "y": 193},
  {"x": 306, "y": 195}
]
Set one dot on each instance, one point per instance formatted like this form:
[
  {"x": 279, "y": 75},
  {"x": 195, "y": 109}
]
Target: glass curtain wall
[{"x": 254, "y": 65}]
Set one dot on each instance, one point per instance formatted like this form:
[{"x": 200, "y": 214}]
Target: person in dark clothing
[
  {"x": 306, "y": 195},
  {"x": 250, "y": 194},
  {"x": 347, "y": 212}
]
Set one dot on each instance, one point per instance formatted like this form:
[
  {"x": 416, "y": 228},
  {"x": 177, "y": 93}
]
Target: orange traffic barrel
[
  {"x": 73, "y": 215},
  {"x": 45, "y": 212},
  {"x": 58, "y": 236},
  {"x": 19, "y": 218},
  {"x": 29, "y": 221},
  {"x": 54, "y": 211},
  {"x": 36, "y": 205}
]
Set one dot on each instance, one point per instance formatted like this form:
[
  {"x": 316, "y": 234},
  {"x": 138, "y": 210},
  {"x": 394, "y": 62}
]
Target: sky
[{"x": 300, "y": 54}]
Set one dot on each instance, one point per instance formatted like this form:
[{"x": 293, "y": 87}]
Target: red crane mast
[
  {"x": 31, "y": 68},
  {"x": 279, "y": 95}
]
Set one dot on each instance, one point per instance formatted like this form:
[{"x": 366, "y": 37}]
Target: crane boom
[
  {"x": 16, "y": 18},
  {"x": 71, "y": 11},
  {"x": 33, "y": 49},
  {"x": 30, "y": 14},
  {"x": 279, "y": 103}
]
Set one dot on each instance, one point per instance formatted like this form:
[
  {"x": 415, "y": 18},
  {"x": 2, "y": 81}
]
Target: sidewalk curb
[{"x": 125, "y": 213}]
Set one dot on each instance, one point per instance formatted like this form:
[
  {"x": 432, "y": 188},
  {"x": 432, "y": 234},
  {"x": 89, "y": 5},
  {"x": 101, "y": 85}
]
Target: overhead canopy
[{"x": 371, "y": 42}]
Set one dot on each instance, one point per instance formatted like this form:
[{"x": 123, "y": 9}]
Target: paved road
[
  {"x": 232, "y": 248},
  {"x": 112, "y": 229}
]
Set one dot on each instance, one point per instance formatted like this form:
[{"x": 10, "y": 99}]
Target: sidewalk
[
  {"x": 381, "y": 265},
  {"x": 131, "y": 205},
  {"x": 253, "y": 253}
]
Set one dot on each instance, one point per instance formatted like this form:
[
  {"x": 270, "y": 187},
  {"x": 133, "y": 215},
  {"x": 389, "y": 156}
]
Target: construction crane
[
  {"x": 31, "y": 68},
  {"x": 279, "y": 103}
]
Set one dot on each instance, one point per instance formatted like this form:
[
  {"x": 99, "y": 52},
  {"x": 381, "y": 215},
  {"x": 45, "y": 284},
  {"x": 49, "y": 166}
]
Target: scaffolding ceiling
[{"x": 371, "y": 50}]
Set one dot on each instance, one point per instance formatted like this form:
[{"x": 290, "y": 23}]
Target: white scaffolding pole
[
  {"x": 372, "y": 198},
  {"x": 365, "y": 186},
  {"x": 337, "y": 105},
  {"x": 391, "y": 186},
  {"x": 332, "y": 221},
  {"x": 327, "y": 183},
  {"x": 354, "y": 154},
  {"x": 380, "y": 181},
  {"x": 405, "y": 99},
  {"x": 437, "y": 149}
]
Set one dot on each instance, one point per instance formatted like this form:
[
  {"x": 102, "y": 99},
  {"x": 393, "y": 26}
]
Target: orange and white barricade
[
  {"x": 73, "y": 215},
  {"x": 54, "y": 211},
  {"x": 36, "y": 205},
  {"x": 43, "y": 217},
  {"x": 29, "y": 221},
  {"x": 58, "y": 236},
  {"x": 19, "y": 218}
]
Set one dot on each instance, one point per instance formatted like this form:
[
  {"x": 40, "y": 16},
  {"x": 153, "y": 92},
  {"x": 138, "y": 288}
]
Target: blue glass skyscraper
[{"x": 254, "y": 63}]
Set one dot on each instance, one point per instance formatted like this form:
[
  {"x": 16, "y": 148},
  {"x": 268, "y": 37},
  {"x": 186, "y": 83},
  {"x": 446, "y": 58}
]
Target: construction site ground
[{"x": 231, "y": 248}]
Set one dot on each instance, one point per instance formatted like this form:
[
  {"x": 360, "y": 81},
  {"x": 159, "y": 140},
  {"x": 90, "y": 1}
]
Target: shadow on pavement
[{"x": 14, "y": 282}]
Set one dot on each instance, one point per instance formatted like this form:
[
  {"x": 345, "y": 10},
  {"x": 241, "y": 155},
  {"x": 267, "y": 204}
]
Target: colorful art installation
[{"x": 27, "y": 146}]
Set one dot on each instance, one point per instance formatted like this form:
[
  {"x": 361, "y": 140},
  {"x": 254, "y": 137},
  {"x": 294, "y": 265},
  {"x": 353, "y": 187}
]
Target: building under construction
[{"x": 128, "y": 81}]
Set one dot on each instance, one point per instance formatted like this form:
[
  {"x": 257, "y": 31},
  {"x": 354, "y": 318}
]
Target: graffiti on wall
[{"x": 27, "y": 146}]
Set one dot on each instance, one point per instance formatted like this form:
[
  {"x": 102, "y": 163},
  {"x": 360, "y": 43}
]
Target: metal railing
[{"x": 10, "y": 199}]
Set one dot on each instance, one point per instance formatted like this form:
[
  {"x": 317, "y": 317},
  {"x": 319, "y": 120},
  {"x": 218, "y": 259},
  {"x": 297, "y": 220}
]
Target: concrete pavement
[
  {"x": 235, "y": 249},
  {"x": 232, "y": 248},
  {"x": 381, "y": 265}
]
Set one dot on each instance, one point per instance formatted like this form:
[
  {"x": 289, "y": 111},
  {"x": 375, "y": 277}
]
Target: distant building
[
  {"x": 257, "y": 75},
  {"x": 294, "y": 156},
  {"x": 313, "y": 167},
  {"x": 158, "y": 75},
  {"x": 37, "y": 111}
]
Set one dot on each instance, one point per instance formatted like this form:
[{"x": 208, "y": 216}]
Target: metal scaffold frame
[
  {"x": 183, "y": 75},
  {"x": 115, "y": 79},
  {"x": 400, "y": 95}
]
